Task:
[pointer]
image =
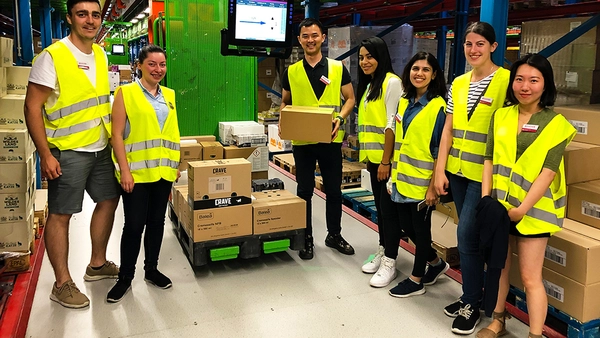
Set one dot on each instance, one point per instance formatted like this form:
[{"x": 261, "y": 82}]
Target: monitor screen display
[
  {"x": 118, "y": 49},
  {"x": 260, "y": 22}
]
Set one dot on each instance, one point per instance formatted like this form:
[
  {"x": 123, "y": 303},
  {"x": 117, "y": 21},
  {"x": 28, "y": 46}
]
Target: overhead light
[
  {"x": 134, "y": 20},
  {"x": 147, "y": 10},
  {"x": 141, "y": 16}
]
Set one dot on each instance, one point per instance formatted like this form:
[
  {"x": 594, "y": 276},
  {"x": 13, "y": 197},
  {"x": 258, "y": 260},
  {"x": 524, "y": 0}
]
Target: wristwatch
[{"x": 342, "y": 120}]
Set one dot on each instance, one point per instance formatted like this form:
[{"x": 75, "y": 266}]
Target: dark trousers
[
  {"x": 329, "y": 156},
  {"x": 379, "y": 193},
  {"x": 416, "y": 225},
  {"x": 145, "y": 206}
]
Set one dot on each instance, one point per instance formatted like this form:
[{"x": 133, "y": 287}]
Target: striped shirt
[{"x": 475, "y": 90}]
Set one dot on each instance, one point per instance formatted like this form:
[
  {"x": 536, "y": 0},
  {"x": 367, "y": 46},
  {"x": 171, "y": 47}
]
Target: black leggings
[
  {"x": 379, "y": 193},
  {"x": 416, "y": 225},
  {"x": 145, "y": 207}
]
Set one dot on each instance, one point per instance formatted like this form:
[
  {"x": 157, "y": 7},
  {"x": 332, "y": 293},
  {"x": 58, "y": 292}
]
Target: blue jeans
[{"x": 466, "y": 195}]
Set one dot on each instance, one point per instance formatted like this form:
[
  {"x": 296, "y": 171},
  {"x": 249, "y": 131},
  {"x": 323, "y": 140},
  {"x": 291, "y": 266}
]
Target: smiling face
[
  {"x": 311, "y": 38},
  {"x": 478, "y": 50},
  {"x": 367, "y": 62},
  {"x": 421, "y": 74},
  {"x": 154, "y": 68},
  {"x": 528, "y": 85},
  {"x": 85, "y": 20}
]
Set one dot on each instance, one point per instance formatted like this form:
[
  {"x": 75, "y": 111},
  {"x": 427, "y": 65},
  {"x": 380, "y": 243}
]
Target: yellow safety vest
[
  {"x": 470, "y": 135},
  {"x": 152, "y": 154},
  {"x": 303, "y": 94},
  {"x": 513, "y": 179},
  {"x": 81, "y": 111},
  {"x": 372, "y": 120},
  {"x": 412, "y": 166}
]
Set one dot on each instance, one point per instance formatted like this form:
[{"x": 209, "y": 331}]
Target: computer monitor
[
  {"x": 117, "y": 49},
  {"x": 260, "y": 23}
]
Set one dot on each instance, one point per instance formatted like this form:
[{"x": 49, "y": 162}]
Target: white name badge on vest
[
  {"x": 398, "y": 118},
  {"x": 530, "y": 128},
  {"x": 84, "y": 66},
  {"x": 486, "y": 100},
  {"x": 325, "y": 80}
]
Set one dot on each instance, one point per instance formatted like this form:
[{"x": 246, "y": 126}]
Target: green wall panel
[{"x": 210, "y": 87}]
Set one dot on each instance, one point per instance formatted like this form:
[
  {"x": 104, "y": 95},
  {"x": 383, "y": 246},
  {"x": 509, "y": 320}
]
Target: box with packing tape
[
  {"x": 219, "y": 179},
  {"x": 586, "y": 119},
  {"x": 583, "y": 203},
  {"x": 212, "y": 150},
  {"x": 12, "y": 115},
  {"x": 16, "y": 146},
  {"x": 443, "y": 236},
  {"x": 258, "y": 156},
  {"x": 277, "y": 211},
  {"x": 309, "y": 124},
  {"x": 578, "y": 167},
  {"x": 17, "y": 79},
  {"x": 16, "y": 177},
  {"x": 15, "y": 261},
  {"x": 16, "y": 236},
  {"x": 16, "y": 207}
]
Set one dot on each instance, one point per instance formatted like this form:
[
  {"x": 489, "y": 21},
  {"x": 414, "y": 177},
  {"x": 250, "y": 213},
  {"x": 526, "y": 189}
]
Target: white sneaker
[
  {"x": 385, "y": 274},
  {"x": 372, "y": 265}
]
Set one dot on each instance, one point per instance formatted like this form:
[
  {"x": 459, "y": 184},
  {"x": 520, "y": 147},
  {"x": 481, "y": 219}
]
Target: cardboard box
[
  {"x": 448, "y": 209},
  {"x": 267, "y": 70},
  {"x": 17, "y": 79},
  {"x": 219, "y": 178},
  {"x": 16, "y": 177},
  {"x": 11, "y": 111},
  {"x": 6, "y": 52},
  {"x": 579, "y": 301},
  {"x": 219, "y": 223},
  {"x": 258, "y": 156},
  {"x": 586, "y": 119},
  {"x": 578, "y": 166},
  {"x": 16, "y": 145},
  {"x": 309, "y": 124},
  {"x": 275, "y": 142},
  {"x": 353, "y": 141},
  {"x": 277, "y": 213},
  {"x": 260, "y": 175},
  {"x": 3, "y": 91},
  {"x": 228, "y": 129},
  {"x": 350, "y": 154},
  {"x": 250, "y": 140},
  {"x": 16, "y": 236},
  {"x": 443, "y": 235},
  {"x": 16, "y": 261},
  {"x": 40, "y": 205},
  {"x": 191, "y": 151},
  {"x": 574, "y": 252},
  {"x": 270, "y": 194},
  {"x": 212, "y": 150},
  {"x": 16, "y": 207},
  {"x": 199, "y": 138},
  {"x": 180, "y": 198},
  {"x": 583, "y": 203}
]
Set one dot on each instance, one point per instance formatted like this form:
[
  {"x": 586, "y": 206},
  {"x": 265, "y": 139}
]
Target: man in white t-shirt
[{"x": 67, "y": 111}]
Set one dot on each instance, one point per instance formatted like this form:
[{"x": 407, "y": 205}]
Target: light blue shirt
[{"x": 158, "y": 103}]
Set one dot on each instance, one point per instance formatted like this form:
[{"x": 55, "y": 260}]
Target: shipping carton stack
[
  {"x": 17, "y": 195},
  {"x": 269, "y": 70},
  {"x": 277, "y": 211},
  {"x": 276, "y": 144},
  {"x": 191, "y": 149},
  {"x": 6, "y": 61},
  {"x": 246, "y": 139}
]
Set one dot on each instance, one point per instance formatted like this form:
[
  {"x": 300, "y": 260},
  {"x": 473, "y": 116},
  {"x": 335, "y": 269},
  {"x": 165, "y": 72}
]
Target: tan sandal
[
  {"x": 531, "y": 335},
  {"x": 501, "y": 317}
]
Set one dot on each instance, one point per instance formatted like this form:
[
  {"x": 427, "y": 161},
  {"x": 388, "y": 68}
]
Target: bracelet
[
  {"x": 342, "y": 120},
  {"x": 385, "y": 163}
]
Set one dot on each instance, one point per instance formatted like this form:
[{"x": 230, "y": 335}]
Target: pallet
[
  {"x": 574, "y": 328},
  {"x": 361, "y": 201},
  {"x": 344, "y": 186},
  {"x": 286, "y": 162},
  {"x": 245, "y": 247},
  {"x": 272, "y": 153}
]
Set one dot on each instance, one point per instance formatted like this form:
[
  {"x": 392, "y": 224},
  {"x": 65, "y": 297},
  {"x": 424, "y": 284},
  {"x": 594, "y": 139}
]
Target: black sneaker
[
  {"x": 452, "y": 309},
  {"x": 407, "y": 288},
  {"x": 158, "y": 279},
  {"x": 434, "y": 272},
  {"x": 308, "y": 251},
  {"x": 119, "y": 290},
  {"x": 467, "y": 320},
  {"x": 339, "y": 243}
]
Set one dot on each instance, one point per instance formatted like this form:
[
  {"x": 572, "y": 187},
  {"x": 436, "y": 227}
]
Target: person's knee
[
  {"x": 109, "y": 204},
  {"x": 531, "y": 280},
  {"x": 58, "y": 220}
]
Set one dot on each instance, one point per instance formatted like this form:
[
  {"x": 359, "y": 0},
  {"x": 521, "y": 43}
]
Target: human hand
[
  {"x": 335, "y": 123},
  {"x": 383, "y": 171},
  {"x": 441, "y": 184},
  {"x": 516, "y": 214},
  {"x": 127, "y": 182},
  {"x": 431, "y": 198},
  {"x": 178, "y": 175},
  {"x": 50, "y": 167}
]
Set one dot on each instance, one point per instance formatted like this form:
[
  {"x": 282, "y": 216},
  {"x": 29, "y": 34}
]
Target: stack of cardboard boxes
[
  {"x": 571, "y": 279},
  {"x": 246, "y": 139}
]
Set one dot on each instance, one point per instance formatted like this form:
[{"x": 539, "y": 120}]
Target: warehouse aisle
[{"x": 276, "y": 295}]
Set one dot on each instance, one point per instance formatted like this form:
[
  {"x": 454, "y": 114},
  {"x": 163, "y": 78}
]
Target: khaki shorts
[{"x": 81, "y": 171}]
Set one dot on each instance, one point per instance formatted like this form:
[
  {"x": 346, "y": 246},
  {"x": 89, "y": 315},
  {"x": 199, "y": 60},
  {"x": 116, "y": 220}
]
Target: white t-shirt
[{"x": 44, "y": 73}]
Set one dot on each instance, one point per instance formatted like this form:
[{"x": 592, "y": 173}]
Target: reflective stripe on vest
[
  {"x": 470, "y": 135},
  {"x": 413, "y": 164},
  {"x": 372, "y": 120},
  {"x": 81, "y": 112},
  {"x": 512, "y": 181},
  {"x": 152, "y": 154},
  {"x": 303, "y": 94}
]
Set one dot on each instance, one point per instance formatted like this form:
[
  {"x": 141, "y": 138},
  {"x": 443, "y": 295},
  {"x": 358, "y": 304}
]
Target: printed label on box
[
  {"x": 581, "y": 126},
  {"x": 219, "y": 184},
  {"x": 572, "y": 79},
  {"x": 590, "y": 209},
  {"x": 555, "y": 255},
  {"x": 554, "y": 291}
]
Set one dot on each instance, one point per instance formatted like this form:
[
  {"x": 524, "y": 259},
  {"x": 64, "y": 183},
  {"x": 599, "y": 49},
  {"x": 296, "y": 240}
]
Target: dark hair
[
  {"x": 482, "y": 28},
  {"x": 540, "y": 63},
  {"x": 437, "y": 86},
  {"x": 309, "y": 22},
  {"x": 72, "y": 3},
  {"x": 379, "y": 51},
  {"x": 150, "y": 49}
]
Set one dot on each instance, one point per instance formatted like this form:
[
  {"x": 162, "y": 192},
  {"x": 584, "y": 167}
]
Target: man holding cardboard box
[
  {"x": 317, "y": 81},
  {"x": 67, "y": 112}
]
